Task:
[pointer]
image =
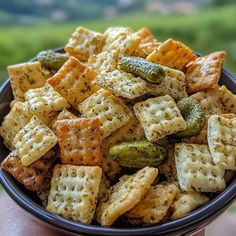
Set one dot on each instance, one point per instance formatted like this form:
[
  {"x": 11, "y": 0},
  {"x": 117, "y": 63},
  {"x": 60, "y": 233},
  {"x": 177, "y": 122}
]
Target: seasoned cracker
[
  {"x": 109, "y": 109},
  {"x": 154, "y": 206},
  {"x": 33, "y": 141},
  {"x": 25, "y": 76},
  {"x": 126, "y": 44},
  {"x": 73, "y": 81},
  {"x": 14, "y": 121},
  {"x": 104, "y": 61},
  {"x": 113, "y": 33},
  {"x": 222, "y": 141},
  {"x": 209, "y": 101},
  {"x": 80, "y": 141},
  {"x": 187, "y": 202},
  {"x": 104, "y": 188},
  {"x": 172, "y": 54},
  {"x": 74, "y": 192},
  {"x": 196, "y": 169},
  {"x": 84, "y": 43},
  {"x": 32, "y": 176},
  {"x": 45, "y": 103},
  {"x": 159, "y": 117},
  {"x": 204, "y": 73},
  {"x": 173, "y": 84},
  {"x": 122, "y": 83},
  {"x": 228, "y": 99},
  {"x": 125, "y": 195}
]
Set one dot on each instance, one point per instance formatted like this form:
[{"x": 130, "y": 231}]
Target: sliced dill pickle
[
  {"x": 138, "y": 154},
  {"x": 194, "y": 116},
  {"x": 149, "y": 71},
  {"x": 51, "y": 60}
]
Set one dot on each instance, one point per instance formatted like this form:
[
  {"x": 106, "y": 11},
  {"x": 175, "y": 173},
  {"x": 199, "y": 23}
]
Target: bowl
[{"x": 188, "y": 224}]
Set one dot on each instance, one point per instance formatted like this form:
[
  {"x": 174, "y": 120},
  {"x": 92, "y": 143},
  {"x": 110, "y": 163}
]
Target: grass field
[{"x": 205, "y": 32}]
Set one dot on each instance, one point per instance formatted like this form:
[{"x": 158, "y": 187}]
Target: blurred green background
[{"x": 28, "y": 26}]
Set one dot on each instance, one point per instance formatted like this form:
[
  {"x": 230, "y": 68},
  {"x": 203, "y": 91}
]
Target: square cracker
[
  {"x": 109, "y": 109},
  {"x": 228, "y": 99},
  {"x": 125, "y": 195},
  {"x": 45, "y": 103},
  {"x": 104, "y": 61},
  {"x": 204, "y": 72},
  {"x": 222, "y": 141},
  {"x": 122, "y": 83},
  {"x": 80, "y": 141},
  {"x": 173, "y": 84},
  {"x": 196, "y": 169},
  {"x": 173, "y": 54},
  {"x": 147, "y": 45},
  {"x": 159, "y": 117},
  {"x": 73, "y": 81},
  {"x": 14, "y": 121},
  {"x": 25, "y": 76},
  {"x": 32, "y": 176},
  {"x": 74, "y": 192},
  {"x": 209, "y": 101},
  {"x": 154, "y": 206},
  {"x": 33, "y": 141},
  {"x": 187, "y": 202},
  {"x": 125, "y": 44},
  {"x": 84, "y": 43}
]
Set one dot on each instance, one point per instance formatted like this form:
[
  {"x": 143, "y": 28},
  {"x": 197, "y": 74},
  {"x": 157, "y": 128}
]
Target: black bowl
[{"x": 192, "y": 222}]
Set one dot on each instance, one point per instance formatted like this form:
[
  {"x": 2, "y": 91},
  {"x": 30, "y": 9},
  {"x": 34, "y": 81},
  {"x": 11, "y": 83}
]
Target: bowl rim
[{"x": 196, "y": 217}]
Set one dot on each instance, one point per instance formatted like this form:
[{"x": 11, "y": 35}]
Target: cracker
[
  {"x": 112, "y": 33},
  {"x": 25, "y": 76},
  {"x": 168, "y": 168},
  {"x": 73, "y": 81},
  {"x": 122, "y": 84},
  {"x": 14, "y": 121},
  {"x": 32, "y": 176},
  {"x": 173, "y": 54},
  {"x": 33, "y": 141},
  {"x": 222, "y": 141},
  {"x": 74, "y": 190},
  {"x": 84, "y": 43},
  {"x": 209, "y": 101},
  {"x": 204, "y": 73},
  {"x": 154, "y": 206},
  {"x": 125, "y": 195},
  {"x": 126, "y": 44},
  {"x": 104, "y": 61},
  {"x": 80, "y": 141},
  {"x": 187, "y": 202},
  {"x": 45, "y": 103},
  {"x": 196, "y": 169},
  {"x": 173, "y": 84},
  {"x": 228, "y": 99},
  {"x": 159, "y": 117},
  {"x": 147, "y": 45},
  {"x": 63, "y": 115},
  {"x": 131, "y": 131},
  {"x": 109, "y": 109}
]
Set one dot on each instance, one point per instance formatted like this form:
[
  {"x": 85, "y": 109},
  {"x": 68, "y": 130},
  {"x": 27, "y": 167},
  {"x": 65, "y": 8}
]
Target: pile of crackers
[{"x": 62, "y": 123}]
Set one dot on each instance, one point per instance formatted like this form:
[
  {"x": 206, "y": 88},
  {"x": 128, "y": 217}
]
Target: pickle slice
[
  {"x": 149, "y": 71},
  {"x": 51, "y": 60},
  {"x": 194, "y": 116},
  {"x": 138, "y": 154}
]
